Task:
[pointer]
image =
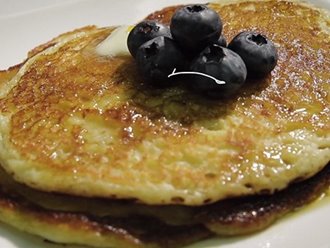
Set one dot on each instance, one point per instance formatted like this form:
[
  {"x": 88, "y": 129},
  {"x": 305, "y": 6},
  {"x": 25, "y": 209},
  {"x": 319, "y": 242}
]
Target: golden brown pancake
[{"x": 77, "y": 123}]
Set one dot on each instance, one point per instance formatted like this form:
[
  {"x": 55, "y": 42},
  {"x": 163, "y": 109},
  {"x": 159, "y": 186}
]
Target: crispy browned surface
[
  {"x": 201, "y": 150},
  {"x": 251, "y": 214}
]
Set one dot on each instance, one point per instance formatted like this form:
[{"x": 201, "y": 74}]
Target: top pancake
[{"x": 77, "y": 123}]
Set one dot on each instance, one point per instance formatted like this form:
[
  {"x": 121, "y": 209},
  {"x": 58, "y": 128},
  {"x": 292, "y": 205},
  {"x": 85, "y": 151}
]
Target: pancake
[
  {"x": 77, "y": 123},
  {"x": 81, "y": 224},
  {"x": 173, "y": 214},
  {"x": 75, "y": 228}
]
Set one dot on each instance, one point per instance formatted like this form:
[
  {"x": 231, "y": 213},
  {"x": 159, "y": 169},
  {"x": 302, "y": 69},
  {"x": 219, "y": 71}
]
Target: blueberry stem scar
[{"x": 174, "y": 73}]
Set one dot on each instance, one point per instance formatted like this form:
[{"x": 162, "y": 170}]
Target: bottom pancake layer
[
  {"x": 229, "y": 217},
  {"x": 74, "y": 228}
]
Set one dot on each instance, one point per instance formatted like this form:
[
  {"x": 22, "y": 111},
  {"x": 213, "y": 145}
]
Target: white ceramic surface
[{"x": 26, "y": 24}]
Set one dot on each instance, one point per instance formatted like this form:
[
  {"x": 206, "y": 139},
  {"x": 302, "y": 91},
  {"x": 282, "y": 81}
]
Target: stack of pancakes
[{"x": 92, "y": 155}]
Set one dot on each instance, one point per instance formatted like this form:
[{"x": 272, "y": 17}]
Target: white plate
[{"x": 26, "y": 24}]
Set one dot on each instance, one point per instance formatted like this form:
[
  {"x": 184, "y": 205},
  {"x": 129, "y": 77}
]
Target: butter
[{"x": 115, "y": 44}]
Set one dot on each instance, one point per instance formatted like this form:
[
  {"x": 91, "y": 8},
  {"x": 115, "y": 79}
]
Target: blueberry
[
  {"x": 222, "y": 64},
  {"x": 222, "y": 41},
  {"x": 143, "y": 32},
  {"x": 258, "y": 52},
  {"x": 195, "y": 26},
  {"x": 157, "y": 58}
]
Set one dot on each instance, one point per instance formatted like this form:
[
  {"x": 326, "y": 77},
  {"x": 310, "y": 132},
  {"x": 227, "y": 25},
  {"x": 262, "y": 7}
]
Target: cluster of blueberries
[{"x": 194, "y": 43}]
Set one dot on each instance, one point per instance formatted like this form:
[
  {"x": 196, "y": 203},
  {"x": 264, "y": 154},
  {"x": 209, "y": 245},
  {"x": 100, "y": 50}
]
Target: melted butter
[{"x": 115, "y": 44}]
